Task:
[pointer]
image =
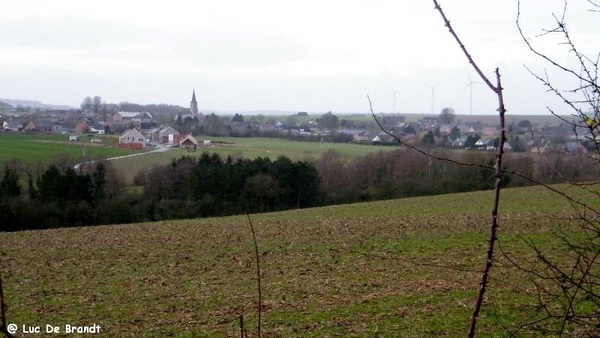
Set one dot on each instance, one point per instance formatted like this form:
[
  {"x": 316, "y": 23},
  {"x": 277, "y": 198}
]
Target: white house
[{"x": 132, "y": 139}]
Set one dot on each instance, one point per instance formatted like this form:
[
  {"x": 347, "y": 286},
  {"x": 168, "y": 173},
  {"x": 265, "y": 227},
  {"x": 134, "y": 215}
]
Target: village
[{"x": 188, "y": 128}]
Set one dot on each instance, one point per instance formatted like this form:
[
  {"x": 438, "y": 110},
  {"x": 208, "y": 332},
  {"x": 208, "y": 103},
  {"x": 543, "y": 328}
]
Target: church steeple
[{"x": 194, "y": 104}]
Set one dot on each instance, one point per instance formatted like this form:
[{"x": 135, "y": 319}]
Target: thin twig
[
  {"x": 543, "y": 56},
  {"x": 3, "y": 308},
  {"x": 463, "y": 48},
  {"x": 242, "y": 333},
  {"x": 258, "y": 329}
]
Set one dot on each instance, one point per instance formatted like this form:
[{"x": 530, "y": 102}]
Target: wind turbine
[
  {"x": 432, "y": 94},
  {"x": 470, "y": 86},
  {"x": 394, "y": 92}
]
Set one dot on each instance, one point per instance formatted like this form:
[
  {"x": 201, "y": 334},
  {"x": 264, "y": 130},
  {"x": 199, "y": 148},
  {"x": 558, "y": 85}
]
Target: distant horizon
[{"x": 275, "y": 111}]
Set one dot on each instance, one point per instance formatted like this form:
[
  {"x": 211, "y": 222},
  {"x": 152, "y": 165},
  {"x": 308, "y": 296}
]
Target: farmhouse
[
  {"x": 189, "y": 142},
  {"x": 29, "y": 126},
  {"x": 485, "y": 144},
  {"x": 39, "y": 126},
  {"x": 360, "y": 136},
  {"x": 12, "y": 125},
  {"x": 138, "y": 120},
  {"x": 132, "y": 139},
  {"x": 169, "y": 136}
]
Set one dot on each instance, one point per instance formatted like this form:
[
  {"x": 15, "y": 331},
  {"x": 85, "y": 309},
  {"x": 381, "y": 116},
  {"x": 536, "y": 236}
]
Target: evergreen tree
[
  {"x": 237, "y": 118},
  {"x": 9, "y": 187},
  {"x": 99, "y": 183},
  {"x": 454, "y": 133},
  {"x": 49, "y": 184}
]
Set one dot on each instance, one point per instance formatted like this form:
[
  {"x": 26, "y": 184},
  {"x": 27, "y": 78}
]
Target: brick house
[{"x": 132, "y": 139}]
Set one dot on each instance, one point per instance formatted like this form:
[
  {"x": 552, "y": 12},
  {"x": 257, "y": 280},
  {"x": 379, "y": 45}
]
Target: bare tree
[
  {"x": 562, "y": 290},
  {"x": 96, "y": 104},
  {"x": 498, "y": 171},
  {"x": 583, "y": 98},
  {"x": 567, "y": 279},
  {"x": 86, "y": 104},
  {"x": 447, "y": 115}
]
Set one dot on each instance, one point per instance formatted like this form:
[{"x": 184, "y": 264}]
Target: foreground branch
[
  {"x": 567, "y": 288},
  {"x": 257, "y": 277},
  {"x": 3, "y": 307},
  {"x": 571, "y": 199},
  {"x": 497, "y": 89},
  {"x": 494, "y": 221}
]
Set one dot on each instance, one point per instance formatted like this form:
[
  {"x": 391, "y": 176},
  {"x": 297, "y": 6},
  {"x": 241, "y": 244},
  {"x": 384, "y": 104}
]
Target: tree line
[
  {"x": 213, "y": 186},
  {"x": 210, "y": 185},
  {"x": 188, "y": 187},
  {"x": 404, "y": 173}
]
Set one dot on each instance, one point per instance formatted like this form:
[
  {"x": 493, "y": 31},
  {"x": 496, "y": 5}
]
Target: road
[{"x": 161, "y": 148}]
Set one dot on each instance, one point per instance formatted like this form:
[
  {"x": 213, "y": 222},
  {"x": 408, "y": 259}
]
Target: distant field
[
  {"x": 271, "y": 147},
  {"x": 248, "y": 148},
  {"x": 31, "y": 149},
  {"x": 305, "y": 119},
  {"x": 489, "y": 119},
  {"x": 401, "y": 268}
]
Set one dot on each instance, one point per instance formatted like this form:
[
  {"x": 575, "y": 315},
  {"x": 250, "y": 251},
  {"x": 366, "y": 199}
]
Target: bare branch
[
  {"x": 497, "y": 89},
  {"x": 463, "y": 48},
  {"x": 541, "y": 55},
  {"x": 494, "y": 222},
  {"x": 467, "y": 164},
  {"x": 242, "y": 330},
  {"x": 3, "y": 308},
  {"x": 257, "y": 276}
]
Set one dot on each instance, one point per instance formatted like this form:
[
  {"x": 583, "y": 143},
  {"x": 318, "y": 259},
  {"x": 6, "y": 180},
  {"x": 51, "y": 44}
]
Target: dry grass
[{"x": 385, "y": 269}]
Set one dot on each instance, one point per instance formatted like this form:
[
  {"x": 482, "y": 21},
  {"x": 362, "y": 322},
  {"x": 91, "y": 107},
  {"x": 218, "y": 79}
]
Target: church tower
[{"x": 194, "y": 105}]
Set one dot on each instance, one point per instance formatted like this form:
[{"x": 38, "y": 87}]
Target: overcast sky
[{"x": 310, "y": 55}]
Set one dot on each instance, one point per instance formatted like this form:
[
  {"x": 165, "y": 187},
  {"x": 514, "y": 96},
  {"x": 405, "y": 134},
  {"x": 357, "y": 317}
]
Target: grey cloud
[
  {"x": 237, "y": 48},
  {"x": 69, "y": 33},
  {"x": 114, "y": 40}
]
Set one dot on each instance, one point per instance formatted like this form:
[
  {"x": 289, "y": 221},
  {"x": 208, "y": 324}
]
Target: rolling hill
[{"x": 407, "y": 267}]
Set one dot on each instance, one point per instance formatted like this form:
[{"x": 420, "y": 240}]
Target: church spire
[
  {"x": 194, "y": 104},
  {"x": 194, "y": 96}
]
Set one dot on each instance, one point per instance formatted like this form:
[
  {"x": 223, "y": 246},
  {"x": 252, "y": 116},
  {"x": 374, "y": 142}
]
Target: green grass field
[
  {"x": 248, "y": 148},
  {"x": 400, "y": 268},
  {"x": 40, "y": 149},
  {"x": 33, "y": 149},
  {"x": 273, "y": 148}
]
